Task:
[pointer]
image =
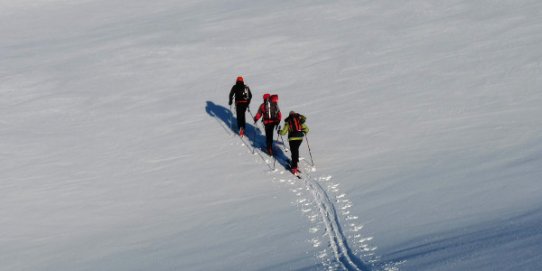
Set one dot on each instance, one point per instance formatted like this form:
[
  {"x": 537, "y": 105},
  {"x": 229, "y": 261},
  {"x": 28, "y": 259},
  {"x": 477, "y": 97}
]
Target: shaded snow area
[{"x": 119, "y": 151}]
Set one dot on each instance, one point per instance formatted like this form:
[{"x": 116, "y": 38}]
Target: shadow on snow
[{"x": 256, "y": 136}]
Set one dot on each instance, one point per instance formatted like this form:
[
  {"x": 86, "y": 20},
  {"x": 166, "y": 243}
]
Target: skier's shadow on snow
[{"x": 256, "y": 136}]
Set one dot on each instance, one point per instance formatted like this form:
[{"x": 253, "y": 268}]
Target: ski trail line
[
  {"x": 343, "y": 256},
  {"x": 342, "y": 252}
]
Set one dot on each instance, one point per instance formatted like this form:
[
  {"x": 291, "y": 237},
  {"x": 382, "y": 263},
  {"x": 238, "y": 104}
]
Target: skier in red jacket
[{"x": 270, "y": 112}]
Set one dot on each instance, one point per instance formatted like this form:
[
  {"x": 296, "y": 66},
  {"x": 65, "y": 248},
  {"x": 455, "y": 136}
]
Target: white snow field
[{"x": 117, "y": 149}]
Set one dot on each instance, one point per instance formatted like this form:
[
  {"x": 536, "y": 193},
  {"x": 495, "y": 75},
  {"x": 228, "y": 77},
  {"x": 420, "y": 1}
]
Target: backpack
[
  {"x": 244, "y": 94},
  {"x": 295, "y": 122},
  {"x": 271, "y": 108}
]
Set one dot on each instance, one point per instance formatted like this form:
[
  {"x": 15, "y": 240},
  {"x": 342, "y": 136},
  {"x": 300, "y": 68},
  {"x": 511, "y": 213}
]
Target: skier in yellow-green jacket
[{"x": 296, "y": 128}]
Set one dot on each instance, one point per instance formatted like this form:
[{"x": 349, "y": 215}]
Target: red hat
[
  {"x": 266, "y": 96},
  {"x": 275, "y": 98},
  {"x": 239, "y": 79}
]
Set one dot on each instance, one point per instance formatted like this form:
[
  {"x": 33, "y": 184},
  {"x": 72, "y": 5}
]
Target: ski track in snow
[
  {"x": 327, "y": 209},
  {"x": 343, "y": 254}
]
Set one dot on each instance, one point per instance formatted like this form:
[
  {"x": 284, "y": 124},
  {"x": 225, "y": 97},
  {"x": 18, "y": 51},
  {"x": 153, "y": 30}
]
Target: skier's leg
[
  {"x": 242, "y": 117},
  {"x": 240, "y": 109},
  {"x": 269, "y": 135},
  {"x": 294, "y": 147}
]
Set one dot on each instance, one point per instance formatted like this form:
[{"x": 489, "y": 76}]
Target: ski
[{"x": 297, "y": 174}]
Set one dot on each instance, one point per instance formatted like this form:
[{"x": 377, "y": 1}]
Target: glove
[
  {"x": 255, "y": 120},
  {"x": 229, "y": 103}
]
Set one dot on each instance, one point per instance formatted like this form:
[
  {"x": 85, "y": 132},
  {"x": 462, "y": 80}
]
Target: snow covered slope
[{"x": 117, "y": 151}]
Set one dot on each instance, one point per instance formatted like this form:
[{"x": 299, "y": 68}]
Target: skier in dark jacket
[
  {"x": 242, "y": 101},
  {"x": 296, "y": 128},
  {"x": 270, "y": 112}
]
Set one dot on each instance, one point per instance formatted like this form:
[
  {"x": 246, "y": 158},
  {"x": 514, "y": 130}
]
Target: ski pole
[
  {"x": 250, "y": 112},
  {"x": 310, "y": 153},
  {"x": 283, "y": 144},
  {"x": 257, "y": 126},
  {"x": 274, "y": 157},
  {"x": 254, "y": 136},
  {"x": 231, "y": 119}
]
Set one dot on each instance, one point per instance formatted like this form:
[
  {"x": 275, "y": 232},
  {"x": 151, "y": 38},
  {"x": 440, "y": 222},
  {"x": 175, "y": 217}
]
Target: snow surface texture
[
  {"x": 117, "y": 150},
  {"x": 320, "y": 208}
]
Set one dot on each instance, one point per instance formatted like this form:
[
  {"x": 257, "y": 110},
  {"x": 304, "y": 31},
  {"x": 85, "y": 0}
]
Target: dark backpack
[{"x": 244, "y": 95}]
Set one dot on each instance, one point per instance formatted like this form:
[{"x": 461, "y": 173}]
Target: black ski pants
[
  {"x": 240, "y": 110},
  {"x": 294, "y": 148},
  {"x": 269, "y": 128}
]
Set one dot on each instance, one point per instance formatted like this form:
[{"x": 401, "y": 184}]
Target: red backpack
[
  {"x": 271, "y": 108},
  {"x": 296, "y": 122}
]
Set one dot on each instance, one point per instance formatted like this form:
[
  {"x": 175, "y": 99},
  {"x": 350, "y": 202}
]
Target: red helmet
[
  {"x": 239, "y": 79},
  {"x": 275, "y": 98},
  {"x": 266, "y": 96}
]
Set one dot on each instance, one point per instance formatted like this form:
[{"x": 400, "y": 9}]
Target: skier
[
  {"x": 242, "y": 102},
  {"x": 270, "y": 111},
  {"x": 296, "y": 128}
]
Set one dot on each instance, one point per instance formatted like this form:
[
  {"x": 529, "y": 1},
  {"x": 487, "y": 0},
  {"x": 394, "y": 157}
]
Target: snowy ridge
[{"x": 324, "y": 205}]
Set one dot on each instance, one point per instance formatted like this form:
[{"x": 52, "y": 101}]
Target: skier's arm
[
  {"x": 258, "y": 114},
  {"x": 284, "y": 129},
  {"x": 305, "y": 128}
]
